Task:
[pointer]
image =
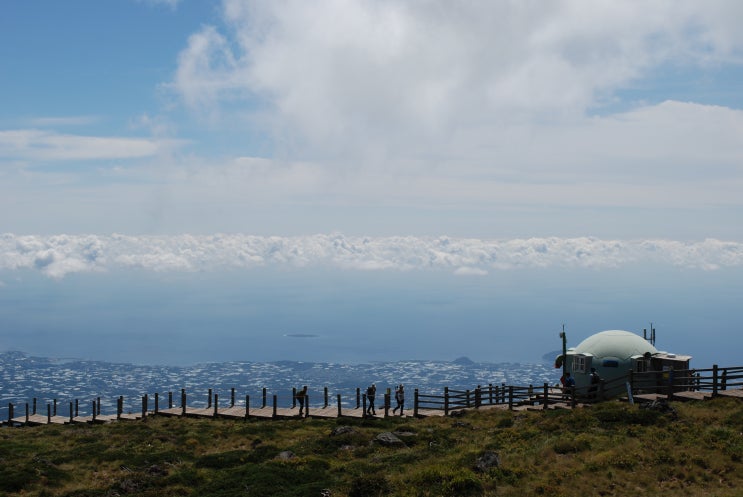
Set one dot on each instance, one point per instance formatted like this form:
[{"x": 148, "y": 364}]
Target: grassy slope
[{"x": 610, "y": 449}]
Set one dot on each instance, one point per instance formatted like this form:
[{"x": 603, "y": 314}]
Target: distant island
[{"x": 301, "y": 335}]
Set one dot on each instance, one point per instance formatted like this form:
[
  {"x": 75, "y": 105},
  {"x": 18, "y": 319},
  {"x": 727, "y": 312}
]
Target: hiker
[
  {"x": 595, "y": 380},
  {"x": 399, "y": 398},
  {"x": 371, "y": 393},
  {"x": 568, "y": 382},
  {"x": 301, "y": 398}
]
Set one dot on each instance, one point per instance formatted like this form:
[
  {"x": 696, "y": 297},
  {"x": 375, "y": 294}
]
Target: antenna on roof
[{"x": 652, "y": 334}]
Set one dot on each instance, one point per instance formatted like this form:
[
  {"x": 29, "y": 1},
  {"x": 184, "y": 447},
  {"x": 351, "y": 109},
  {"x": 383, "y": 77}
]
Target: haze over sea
[{"x": 61, "y": 301}]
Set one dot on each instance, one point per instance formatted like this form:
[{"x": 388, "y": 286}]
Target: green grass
[{"x": 611, "y": 449}]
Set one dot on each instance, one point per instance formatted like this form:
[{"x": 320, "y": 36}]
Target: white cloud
[
  {"x": 40, "y": 145},
  {"x": 59, "y": 255},
  {"x": 397, "y": 77}
]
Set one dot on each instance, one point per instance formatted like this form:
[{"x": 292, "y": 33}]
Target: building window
[{"x": 579, "y": 364}]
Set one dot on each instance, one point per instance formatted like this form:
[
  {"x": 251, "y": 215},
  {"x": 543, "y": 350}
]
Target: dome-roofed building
[{"x": 613, "y": 354}]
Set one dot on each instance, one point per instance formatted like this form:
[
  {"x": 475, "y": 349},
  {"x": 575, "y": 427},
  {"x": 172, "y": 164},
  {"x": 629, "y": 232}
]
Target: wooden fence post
[
  {"x": 497, "y": 395},
  {"x": 48, "y": 413},
  {"x": 34, "y": 411},
  {"x": 98, "y": 405},
  {"x": 325, "y": 393},
  {"x": 446, "y": 401},
  {"x": 294, "y": 397},
  {"x": 264, "y": 398},
  {"x": 145, "y": 401},
  {"x": 26, "y": 412},
  {"x": 119, "y": 406},
  {"x": 467, "y": 398},
  {"x": 216, "y": 404},
  {"x": 358, "y": 398},
  {"x": 10, "y": 413},
  {"x": 232, "y": 398},
  {"x": 363, "y": 415},
  {"x": 546, "y": 393},
  {"x": 275, "y": 400},
  {"x": 54, "y": 412},
  {"x": 387, "y": 403},
  {"x": 157, "y": 403},
  {"x": 170, "y": 400},
  {"x": 478, "y": 397},
  {"x": 340, "y": 409},
  {"x": 247, "y": 406},
  {"x": 415, "y": 403},
  {"x": 94, "y": 411},
  {"x": 490, "y": 394},
  {"x": 77, "y": 407},
  {"x": 714, "y": 380},
  {"x": 503, "y": 393},
  {"x": 209, "y": 402},
  {"x": 510, "y": 398},
  {"x": 183, "y": 401},
  {"x": 71, "y": 418}
]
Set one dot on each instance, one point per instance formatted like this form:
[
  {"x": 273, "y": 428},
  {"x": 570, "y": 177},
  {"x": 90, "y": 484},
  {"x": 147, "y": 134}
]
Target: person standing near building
[{"x": 595, "y": 380}]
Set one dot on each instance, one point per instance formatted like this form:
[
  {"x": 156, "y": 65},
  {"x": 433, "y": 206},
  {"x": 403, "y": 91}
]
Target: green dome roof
[{"x": 614, "y": 343}]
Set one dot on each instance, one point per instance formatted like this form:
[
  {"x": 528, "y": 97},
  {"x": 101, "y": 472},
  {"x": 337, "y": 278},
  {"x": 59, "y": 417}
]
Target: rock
[
  {"x": 404, "y": 434},
  {"x": 486, "y": 461},
  {"x": 286, "y": 455},
  {"x": 157, "y": 470},
  {"x": 389, "y": 440},
  {"x": 342, "y": 430}
]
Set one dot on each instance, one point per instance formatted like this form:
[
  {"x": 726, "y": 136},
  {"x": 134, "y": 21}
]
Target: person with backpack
[
  {"x": 595, "y": 380},
  {"x": 371, "y": 394},
  {"x": 399, "y": 398},
  {"x": 301, "y": 396}
]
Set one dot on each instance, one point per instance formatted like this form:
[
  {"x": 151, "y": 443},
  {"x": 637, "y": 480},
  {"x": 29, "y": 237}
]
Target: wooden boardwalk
[{"x": 722, "y": 382}]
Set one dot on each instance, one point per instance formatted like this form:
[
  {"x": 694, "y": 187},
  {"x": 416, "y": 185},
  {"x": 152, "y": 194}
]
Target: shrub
[{"x": 369, "y": 486}]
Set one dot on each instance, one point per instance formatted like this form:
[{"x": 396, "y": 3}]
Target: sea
[{"x": 61, "y": 381}]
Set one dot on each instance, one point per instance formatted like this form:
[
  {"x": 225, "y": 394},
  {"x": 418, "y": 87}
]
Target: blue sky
[{"x": 356, "y": 136}]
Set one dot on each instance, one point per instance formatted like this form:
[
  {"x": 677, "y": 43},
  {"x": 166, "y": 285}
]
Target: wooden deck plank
[
  {"x": 738, "y": 393},
  {"x": 697, "y": 395}
]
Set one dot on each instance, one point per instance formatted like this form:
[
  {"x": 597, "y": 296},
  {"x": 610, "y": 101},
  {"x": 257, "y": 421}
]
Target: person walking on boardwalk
[
  {"x": 371, "y": 394},
  {"x": 399, "y": 398},
  {"x": 302, "y": 398}
]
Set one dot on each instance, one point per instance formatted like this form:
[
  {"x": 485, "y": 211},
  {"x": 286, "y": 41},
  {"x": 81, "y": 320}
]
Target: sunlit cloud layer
[{"x": 60, "y": 255}]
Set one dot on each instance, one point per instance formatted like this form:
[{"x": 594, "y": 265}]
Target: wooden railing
[{"x": 665, "y": 383}]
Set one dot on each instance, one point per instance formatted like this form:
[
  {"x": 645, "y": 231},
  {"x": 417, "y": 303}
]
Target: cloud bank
[
  {"x": 362, "y": 78},
  {"x": 60, "y": 255}
]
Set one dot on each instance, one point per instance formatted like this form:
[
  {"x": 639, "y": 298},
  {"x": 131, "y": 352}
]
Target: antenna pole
[{"x": 564, "y": 351}]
